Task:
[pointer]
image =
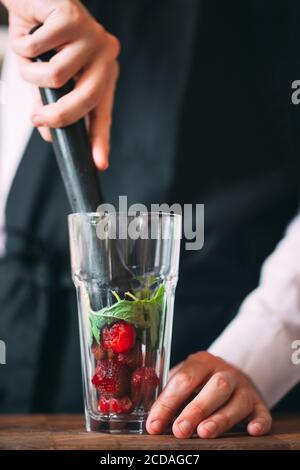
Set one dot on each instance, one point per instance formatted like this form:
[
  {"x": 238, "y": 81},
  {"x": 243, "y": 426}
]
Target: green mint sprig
[{"x": 142, "y": 313}]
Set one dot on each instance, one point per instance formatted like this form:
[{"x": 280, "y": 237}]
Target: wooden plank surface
[{"x": 67, "y": 432}]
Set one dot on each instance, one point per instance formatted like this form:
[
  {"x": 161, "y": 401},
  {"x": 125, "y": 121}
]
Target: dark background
[{"x": 3, "y": 16}]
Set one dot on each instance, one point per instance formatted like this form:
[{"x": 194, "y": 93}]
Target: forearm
[{"x": 259, "y": 340}]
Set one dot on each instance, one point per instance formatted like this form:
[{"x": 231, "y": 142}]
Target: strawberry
[
  {"x": 150, "y": 356},
  {"x": 144, "y": 382},
  {"x": 115, "y": 405},
  {"x": 111, "y": 378},
  {"x": 111, "y": 354},
  {"x": 120, "y": 337},
  {"x": 98, "y": 351},
  {"x": 134, "y": 358}
]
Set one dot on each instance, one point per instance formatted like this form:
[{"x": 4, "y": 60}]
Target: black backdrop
[{"x": 3, "y": 16}]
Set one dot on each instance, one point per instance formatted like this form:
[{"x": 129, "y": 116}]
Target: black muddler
[{"x": 73, "y": 153}]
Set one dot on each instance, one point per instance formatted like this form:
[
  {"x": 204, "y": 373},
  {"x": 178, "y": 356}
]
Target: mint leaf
[
  {"x": 91, "y": 331},
  {"x": 153, "y": 312},
  {"x": 142, "y": 313},
  {"x": 158, "y": 296},
  {"x": 96, "y": 333},
  {"x": 129, "y": 311}
]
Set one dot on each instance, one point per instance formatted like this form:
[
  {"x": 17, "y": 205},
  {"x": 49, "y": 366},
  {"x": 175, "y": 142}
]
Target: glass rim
[{"x": 117, "y": 213}]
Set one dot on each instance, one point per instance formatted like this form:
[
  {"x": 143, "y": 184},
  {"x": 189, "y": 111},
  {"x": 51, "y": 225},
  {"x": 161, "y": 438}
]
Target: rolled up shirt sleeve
[{"x": 263, "y": 339}]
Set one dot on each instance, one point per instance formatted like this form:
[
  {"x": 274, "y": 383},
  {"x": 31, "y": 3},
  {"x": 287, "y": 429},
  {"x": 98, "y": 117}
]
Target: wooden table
[{"x": 61, "y": 432}]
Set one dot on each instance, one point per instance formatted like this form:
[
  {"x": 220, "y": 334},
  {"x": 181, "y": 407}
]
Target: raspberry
[
  {"x": 144, "y": 382},
  {"x": 111, "y": 378},
  {"x": 115, "y": 405},
  {"x": 120, "y": 337},
  {"x": 98, "y": 351},
  {"x": 133, "y": 359}
]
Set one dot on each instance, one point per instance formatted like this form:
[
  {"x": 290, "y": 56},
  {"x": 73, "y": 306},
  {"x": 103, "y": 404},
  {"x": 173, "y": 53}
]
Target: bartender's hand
[
  {"x": 85, "y": 51},
  {"x": 226, "y": 397}
]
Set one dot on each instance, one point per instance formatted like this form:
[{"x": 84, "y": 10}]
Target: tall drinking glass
[{"x": 125, "y": 270}]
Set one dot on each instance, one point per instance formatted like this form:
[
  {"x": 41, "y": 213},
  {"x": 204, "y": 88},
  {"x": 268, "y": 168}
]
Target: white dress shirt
[
  {"x": 259, "y": 340},
  {"x": 15, "y": 128}
]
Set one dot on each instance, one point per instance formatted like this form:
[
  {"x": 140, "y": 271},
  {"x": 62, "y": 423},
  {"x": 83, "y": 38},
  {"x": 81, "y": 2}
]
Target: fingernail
[
  {"x": 185, "y": 427},
  {"x": 156, "y": 425},
  {"x": 210, "y": 428},
  {"x": 104, "y": 166},
  {"x": 100, "y": 158},
  {"x": 257, "y": 427}
]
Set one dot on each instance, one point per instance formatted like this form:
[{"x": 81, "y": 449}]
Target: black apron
[{"x": 202, "y": 115}]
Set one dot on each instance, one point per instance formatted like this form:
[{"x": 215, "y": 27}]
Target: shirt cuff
[{"x": 261, "y": 347}]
